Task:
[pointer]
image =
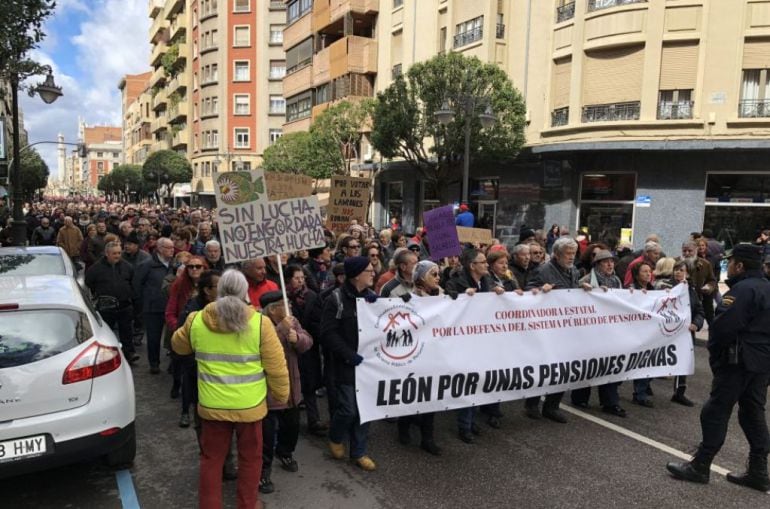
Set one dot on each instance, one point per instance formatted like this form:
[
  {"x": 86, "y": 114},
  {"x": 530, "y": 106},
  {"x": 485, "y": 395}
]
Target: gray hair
[
  {"x": 651, "y": 246},
  {"x": 213, "y": 243},
  {"x": 232, "y": 310},
  {"x": 112, "y": 245},
  {"x": 165, "y": 241},
  {"x": 518, "y": 248},
  {"x": 689, "y": 243},
  {"x": 563, "y": 243}
]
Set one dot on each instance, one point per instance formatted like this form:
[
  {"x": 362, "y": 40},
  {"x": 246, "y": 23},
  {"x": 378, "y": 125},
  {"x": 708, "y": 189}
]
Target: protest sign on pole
[
  {"x": 348, "y": 199},
  {"x": 434, "y": 353},
  {"x": 251, "y": 227},
  {"x": 474, "y": 235},
  {"x": 442, "y": 233},
  {"x": 281, "y": 186}
]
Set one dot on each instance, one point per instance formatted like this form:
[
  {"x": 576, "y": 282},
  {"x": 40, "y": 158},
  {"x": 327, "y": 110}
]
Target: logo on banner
[
  {"x": 667, "y": 308},
  {"x": 399, "y": 344}
]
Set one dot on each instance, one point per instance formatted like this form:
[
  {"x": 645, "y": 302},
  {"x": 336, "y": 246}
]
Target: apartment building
[
  {"x": 137, "y": 119},
  {"x": 642, "y": 116},
  {"x": 104, "y": 148}
]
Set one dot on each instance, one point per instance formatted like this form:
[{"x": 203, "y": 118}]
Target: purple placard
[{"x": 442, "y": 233}]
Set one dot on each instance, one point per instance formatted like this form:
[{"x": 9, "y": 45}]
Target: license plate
[{"x": 22, "y": 447}]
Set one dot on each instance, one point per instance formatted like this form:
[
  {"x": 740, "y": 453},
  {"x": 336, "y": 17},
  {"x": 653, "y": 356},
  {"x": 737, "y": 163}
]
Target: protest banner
[
  {"x": 281, "y": 186},
  {"x": 442, "y": 233},
  {"x": 434, "y": 353},
  {"x": 474, "y": 235},
  {"x": 250, "y": 226},
  {"x": 348, "y": 199}
]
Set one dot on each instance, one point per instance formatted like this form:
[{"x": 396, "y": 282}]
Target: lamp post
[
  {"x": 468, "y": 105},
  {"x": 48, "y": 92}
]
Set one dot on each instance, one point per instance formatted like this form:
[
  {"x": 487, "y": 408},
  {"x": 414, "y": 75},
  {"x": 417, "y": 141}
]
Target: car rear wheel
[{"x": 123, "y": 455}]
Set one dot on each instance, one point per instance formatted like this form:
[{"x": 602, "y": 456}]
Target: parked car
[
  {"x": 66, "y": 391},
  {"x": 38, "y": 261}
]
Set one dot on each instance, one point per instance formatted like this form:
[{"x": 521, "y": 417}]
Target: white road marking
[{"x": 639, "y": 438}]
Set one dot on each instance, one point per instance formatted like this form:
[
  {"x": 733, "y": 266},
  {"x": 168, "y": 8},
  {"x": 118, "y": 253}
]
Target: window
[
  {"x": 299, "y": 106},
  {"x": 241, "y": 72},
  {"x": 565, "y": 10},
  {"x": 241, "y": 6},
  {"x": 297, "y": 9},
  {"x": 277, "y": 105},
  {"x": 241, "y": 36},
  {"x": 299, "y": 56},
  {"x": 241, "y": 137},
  {"x": 210, "y": 74},
  {"x": 395, "y": 194},
  {"x": 397, "y": 3},
  {"x": 100, "y": 155},
  {"x": 395, "y": 72},
  {"x": 737, "y": 206},
  {"x": 442, "y": 41},
  {"x": 276, "y": 34},
  {"x": 277, "y": 69},
  {"x": 755, "y": 94},
  {"x": 469, "y": 31},
  {"x": 675, "y": 104},
  {"x": 100, "y": 166},
  {"x": 195, "y": 170},
  {"x": 241, "y": 104},
  {"x": 322, "y": 94},
  {"x": 211, "y": 139},
  {"x": 274, "y": 134},
  {"x": 607, "y": 204}
]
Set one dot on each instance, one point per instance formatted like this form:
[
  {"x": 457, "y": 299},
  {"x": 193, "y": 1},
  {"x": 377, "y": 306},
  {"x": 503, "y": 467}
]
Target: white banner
[{"x": 434, "y": 353}]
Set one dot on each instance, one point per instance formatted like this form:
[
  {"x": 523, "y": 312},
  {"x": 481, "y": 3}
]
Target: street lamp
[
  {"x": 48, "y": 92},
  {"x": 468, "y": 104}
]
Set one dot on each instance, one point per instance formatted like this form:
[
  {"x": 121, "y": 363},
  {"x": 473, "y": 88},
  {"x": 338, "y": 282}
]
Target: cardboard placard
[
  {"x": 474, "y": 235},
  {"x": 442, "y": 233},
  {"x": 282, "y": 186},
  {"x": 348, "y": 199}
]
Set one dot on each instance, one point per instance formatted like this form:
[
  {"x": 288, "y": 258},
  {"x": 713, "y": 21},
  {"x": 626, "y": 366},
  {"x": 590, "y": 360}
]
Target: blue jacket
[
  {"x": 148, "y": 279},
  {"x": 465, "y": 219},
  {"x": 743, "y": 317}
]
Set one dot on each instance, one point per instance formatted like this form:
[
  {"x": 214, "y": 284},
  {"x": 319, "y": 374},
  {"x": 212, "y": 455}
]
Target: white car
[
  {"x": 37, "y": 261},
  {"x": 66, "y": 391}
]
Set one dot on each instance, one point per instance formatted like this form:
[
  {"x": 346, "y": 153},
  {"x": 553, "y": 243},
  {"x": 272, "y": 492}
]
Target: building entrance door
[{"x": 487, "y": 214}]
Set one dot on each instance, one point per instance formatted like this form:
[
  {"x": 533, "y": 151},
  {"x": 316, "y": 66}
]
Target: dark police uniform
[{"x": 740, "y": 376}]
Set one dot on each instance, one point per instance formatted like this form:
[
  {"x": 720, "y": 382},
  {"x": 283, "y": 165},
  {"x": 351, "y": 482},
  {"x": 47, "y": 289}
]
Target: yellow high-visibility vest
[{"x": 230, "y": 373}]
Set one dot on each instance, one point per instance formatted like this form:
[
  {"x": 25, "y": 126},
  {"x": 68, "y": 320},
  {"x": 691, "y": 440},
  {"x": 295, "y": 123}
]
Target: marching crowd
[{"x": 157, "y": 276}]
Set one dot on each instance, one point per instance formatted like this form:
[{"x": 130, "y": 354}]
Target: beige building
[
  {"x": 137, "y": 122},
  {"x": 642, "y": 116}
]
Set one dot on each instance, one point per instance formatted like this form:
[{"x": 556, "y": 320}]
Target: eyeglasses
[
  {"x": 195, "y": 267},
  {"x": 374, "y": 255},
  {"x": 434, "y": 274},
  {"x": 354, "y": 246}
]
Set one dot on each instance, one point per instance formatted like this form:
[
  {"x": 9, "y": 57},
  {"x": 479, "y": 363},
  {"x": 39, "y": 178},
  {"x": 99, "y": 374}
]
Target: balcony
[
  {"x": 157, "y": 76},
  {"x": 181, "y": 53},
  {"x": 296, "y": 126},
  {"x": 675, "y": 110},
  {"x": 157, "y": 28},
  {"x": 321, "y": 67},
  {"x": 173, "y": 7},
  {"x": 754, "y": 108},
  {"x": 471, "y": 36},
  {"x": 158, "y": 50},
  {"x": 180, "y": 138},
  {"x": 176, "y": 83},
  {"x": 565, "y": 12},
  {"x": 178, "y": 27},
  {"x": 297, "y": 32},
  {"x": 178, "y": 112},
  {"x": 155, "y": 6},
  {"x": 158, "y": 124},
  {"x": 353, "y": 54},
  {"x": 500, "y": 31},
  {"x": 277, "y": 5},
  {"x": 159, "y": 101},
  {"x": 326, "y": 12},
  {"x": 298, "y": 81},
  {"x": 560, "y": 117},
  {"x": 611, "y": 112},
  {"x": 597, "y": 5}
]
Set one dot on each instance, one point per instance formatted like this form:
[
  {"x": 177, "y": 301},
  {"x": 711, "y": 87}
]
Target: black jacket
[
  {"x": 554, "y": 274},
  {"x": 111, "y": 280},
  {"x": 522, "y": 275},
  {"x": 461, "y": 281},
  {"x": 743, "y": 317},
  {"x": 148, "y": 280},
  {"x": 340, "y": 336}
]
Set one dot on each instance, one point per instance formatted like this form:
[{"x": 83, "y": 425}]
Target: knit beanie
[
  {"x": 355, "y": 265},
  {"x": 421, "y": 269}
]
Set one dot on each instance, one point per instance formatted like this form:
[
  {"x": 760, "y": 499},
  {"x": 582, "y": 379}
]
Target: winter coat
[
  {"x": 555, "y": 275},
  {"x": 43, "y": 236},
  {"x": 105, "y": 279},
  {"x": 69, "y": 238},
  {"x": 292, "y": 353},
  {"x": 148, "y": 279},
  {"x": 461, "y": 281}
]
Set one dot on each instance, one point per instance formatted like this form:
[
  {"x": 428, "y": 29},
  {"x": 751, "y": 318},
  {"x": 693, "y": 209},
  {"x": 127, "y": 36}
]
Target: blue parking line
[{"x": 126, "y": 489}]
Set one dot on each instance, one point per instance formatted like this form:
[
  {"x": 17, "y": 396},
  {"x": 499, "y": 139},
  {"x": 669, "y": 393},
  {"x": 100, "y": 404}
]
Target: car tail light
[{"x": 94, "y": 361}]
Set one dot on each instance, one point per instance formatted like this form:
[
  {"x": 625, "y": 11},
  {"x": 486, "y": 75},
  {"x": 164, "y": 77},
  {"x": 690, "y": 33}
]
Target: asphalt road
[{"x": 533, "y": 463}]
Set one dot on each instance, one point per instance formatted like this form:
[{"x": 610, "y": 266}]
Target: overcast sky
[{"x": 90, "y": 45}]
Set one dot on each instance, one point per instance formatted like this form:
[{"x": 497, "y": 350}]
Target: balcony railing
[
  {"x": 500, "y": 31},
  {"x": 468, "y": 37},
  {"x": 754, "y": 108},
  {"x": 565, "y": 12},
  {"x": 560, "y": 116},
  {"x": 675, "y": 110},
  {"x": 611, "y": 112},
  {"x": 595, "y": 5}
]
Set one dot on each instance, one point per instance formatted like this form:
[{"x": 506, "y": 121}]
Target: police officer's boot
[
  {"x": 696, "y": 470},
  {"x": 755, "y": 477}
]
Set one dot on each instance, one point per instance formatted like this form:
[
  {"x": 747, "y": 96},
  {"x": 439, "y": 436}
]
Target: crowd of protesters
[{"x": 152, "y": 270}]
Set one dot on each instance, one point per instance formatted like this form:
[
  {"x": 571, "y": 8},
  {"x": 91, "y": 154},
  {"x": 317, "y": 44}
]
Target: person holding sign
[
  {"x": 339, "y": 334},
  {"x": 474, "y": 277}
]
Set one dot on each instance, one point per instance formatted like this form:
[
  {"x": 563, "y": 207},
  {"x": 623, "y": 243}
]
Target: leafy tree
[
  {"x": 106, "y": 185},
  {"x": 127, "y": 179},
  {"x": 21, "y": 30},
  {"x": 304, "y": 152},
  {"x": 34, "y": 173},
  {"x": 342, "y": 125},
  {"x": 403, "y": 125},
  {"x": 166, "y": 168}
]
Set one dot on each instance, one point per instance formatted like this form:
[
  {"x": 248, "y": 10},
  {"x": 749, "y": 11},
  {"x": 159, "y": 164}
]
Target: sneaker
[
  {"x": 366, "y": 463},
  {"x": 266, "y": 485},
  {"x": 288, "y": 463},
  {"x": 337, "y": 450},
  {"x": 184, "y": 421}
]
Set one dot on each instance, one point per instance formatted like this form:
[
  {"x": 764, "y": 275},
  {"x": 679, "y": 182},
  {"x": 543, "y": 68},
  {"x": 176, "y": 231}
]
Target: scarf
[
  {"x": 598, "y": 279},
  {"x": 297, "y": 296}
]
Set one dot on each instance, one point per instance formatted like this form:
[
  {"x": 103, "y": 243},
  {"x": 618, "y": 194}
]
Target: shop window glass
[
  {"x": 609, "y": 187},
  {"x": 738, "y": 188}
]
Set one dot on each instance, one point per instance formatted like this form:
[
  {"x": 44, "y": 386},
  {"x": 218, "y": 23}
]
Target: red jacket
[{"x": 256, "y": 290}]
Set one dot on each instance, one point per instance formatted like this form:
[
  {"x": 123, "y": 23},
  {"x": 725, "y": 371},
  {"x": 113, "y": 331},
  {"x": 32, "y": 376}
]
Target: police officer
[{"x": 739, "y": 354}]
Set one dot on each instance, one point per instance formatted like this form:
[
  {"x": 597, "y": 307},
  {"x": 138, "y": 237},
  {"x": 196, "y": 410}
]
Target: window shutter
[
  {"x": 756, "y": 54},
  {"x": 613, "y": 75},
  {"x": 560, "y": 86},
  {"x": 679, "y": 66},
  {"x": 396, "y": 48}
]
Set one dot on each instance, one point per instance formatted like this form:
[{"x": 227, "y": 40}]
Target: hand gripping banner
[{"x": 434, "y": 353}]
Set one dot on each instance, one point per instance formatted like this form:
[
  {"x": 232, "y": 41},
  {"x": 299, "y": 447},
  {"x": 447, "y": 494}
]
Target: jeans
[
  {"x": 640, "y": 389},
  {"x": 122, "y": 318},
  {"x": 280, "y": 432},
  {"x": 215, "y": 442},
  {"x": 153, "y": 323},
  {"x": 346, "y": 423},
  {"x": 465, "y": 418}
]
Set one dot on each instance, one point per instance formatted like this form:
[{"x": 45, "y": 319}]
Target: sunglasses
[{"x": 195, "y": 267}]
